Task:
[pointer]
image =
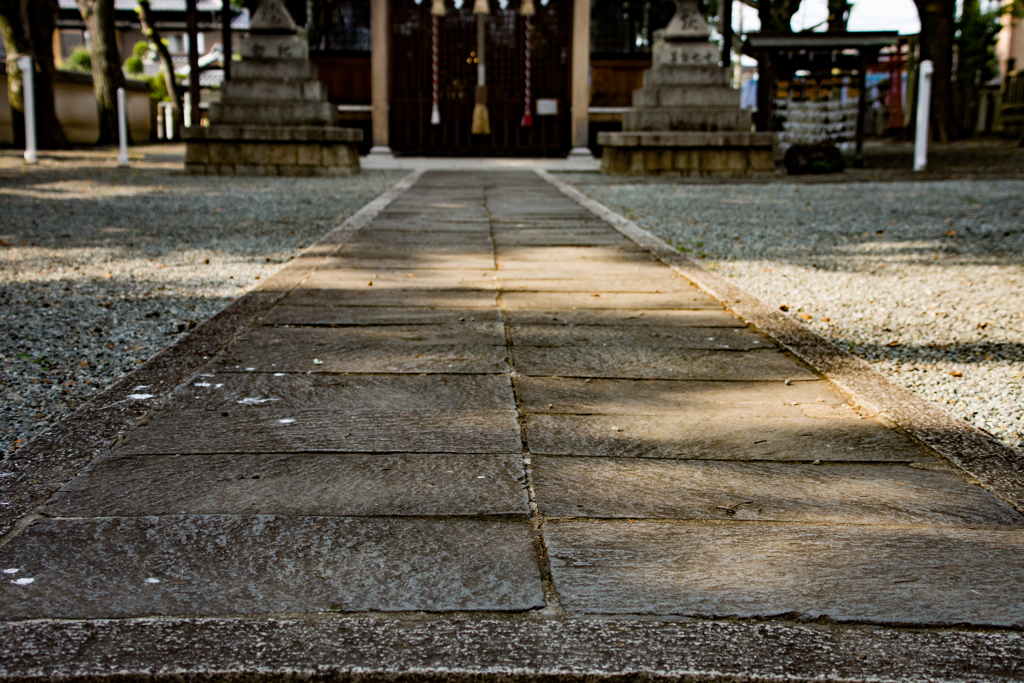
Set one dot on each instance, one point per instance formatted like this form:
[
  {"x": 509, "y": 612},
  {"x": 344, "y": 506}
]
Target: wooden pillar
[
  {"x": 727, "y": 33},
  {"x": 225, "y": 37},
  {"x": 380, "y": 74},
  {"x": 191, "y": 23},
  {"x": 580, "y": 78},
  {"x": 862, "y": 108}
]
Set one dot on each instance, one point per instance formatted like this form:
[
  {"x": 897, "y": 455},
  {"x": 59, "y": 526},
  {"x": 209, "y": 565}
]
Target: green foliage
[
  {"x": 158, "y": 88},
  {"x": 977, "y": 29},
  {"x": 134, "y": 65},
  {"x": 79, "y": 60}
]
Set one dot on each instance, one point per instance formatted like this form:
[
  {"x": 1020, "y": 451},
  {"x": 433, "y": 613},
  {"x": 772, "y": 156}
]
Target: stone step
[
  {"x": 686, "y": 75},
  {"x": 675, "y": 119},
  {"x": 273, "y": 69},
  {"x": 274, "y": 113},
  {"x": 261, "y": 90},
  {"x": 693, "y": 96}
]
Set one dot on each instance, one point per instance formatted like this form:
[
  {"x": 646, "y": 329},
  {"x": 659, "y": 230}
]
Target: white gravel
[
  {"x": 100, "y": 268},
  {"x": 924, "y": 279}
]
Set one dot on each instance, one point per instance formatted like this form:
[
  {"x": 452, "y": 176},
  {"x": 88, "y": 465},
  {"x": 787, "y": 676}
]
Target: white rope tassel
[
  {"x": 527, "y": 121},
  {"x": 435, "y": 112}
]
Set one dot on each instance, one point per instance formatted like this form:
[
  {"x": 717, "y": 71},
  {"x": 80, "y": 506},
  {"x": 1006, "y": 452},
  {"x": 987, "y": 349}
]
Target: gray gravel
[
  {"x": 926, "y": 280},
  {"x": 100, "y": 268}
]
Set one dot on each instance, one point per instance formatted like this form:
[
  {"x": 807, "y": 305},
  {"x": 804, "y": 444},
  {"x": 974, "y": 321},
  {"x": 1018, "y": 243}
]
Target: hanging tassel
[
  {"x": 435, "y": 111},
  {"x": 527, "y": 8},
  {"x": 527, "y": 121},
  {"x": 437, "y": 8},
  {"x": 481, "y": 119},
  {"x": 481, "y": 124}
]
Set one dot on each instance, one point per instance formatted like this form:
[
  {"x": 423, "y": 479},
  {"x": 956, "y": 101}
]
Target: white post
[
  {"x": 169, "y": 121},
  {"x": 924, "y": 98},
  {"x": 28, "y": 94},
  {"x": 122, "y": 128}
]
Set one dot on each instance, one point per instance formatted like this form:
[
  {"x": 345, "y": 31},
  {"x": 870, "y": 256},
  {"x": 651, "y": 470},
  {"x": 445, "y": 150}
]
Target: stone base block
[
  {"x": 686, "y": 154},
  {"x": 324, "y": 157}
]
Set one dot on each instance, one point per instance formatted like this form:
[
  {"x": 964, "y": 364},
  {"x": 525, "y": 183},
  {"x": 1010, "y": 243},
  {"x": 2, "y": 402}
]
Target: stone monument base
[
  {"x": 272, "y": 150},
  {"x": 689, "y": 153}
]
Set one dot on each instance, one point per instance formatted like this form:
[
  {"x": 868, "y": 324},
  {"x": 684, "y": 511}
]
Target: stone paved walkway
[{"x": 489, "y": 405}]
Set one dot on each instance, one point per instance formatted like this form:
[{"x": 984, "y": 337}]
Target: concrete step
[
  {"x": 686, "y": 75},
  {"x": 261, "y": 90},
  {"x": 695, "y": 96},
  {"x": 676, "y": 119},
  {"x": 274, "y": 113},
  {"x": 273, "y": 69}
]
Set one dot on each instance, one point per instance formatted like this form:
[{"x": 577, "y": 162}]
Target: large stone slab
[
  {"x": 420, "y": 259},
  {"x": 892, "y": 575},
  {"x": 360, "y": 280},
  {"x": 460, "y": 299},
  {"x": 398, "y": 221},
  {"x": 376, "y": 255},
  {"x": 656, "y": 362},
  {"x": 287, "y": 430},
  {"x": 470, "y": 347},
  {"x": 833, "y": 494},
  {"x": 628, "y": 254},
  {"x": 711, "y": 433},
  {"x": 624, "y": 317},
  {"x": 343, "y": 394},
  {"x": 637, "y": 337},
  {"x": 555, "y": 270},
  {"x": 521, "y": 281},
  {"x": 297, "y": 484},
  {"x": 216, "y": 565},
  {"x": 559, "y": 237},
  {"x": 386, "y": 238},
  {"x": 504, "y": 225},
  {"x": 689, "y": 299},
  {"x": 568, "y": 395},
  {"x": 345, "y": 316}
]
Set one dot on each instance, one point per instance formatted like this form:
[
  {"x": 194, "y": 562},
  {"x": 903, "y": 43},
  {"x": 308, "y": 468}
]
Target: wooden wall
[
  {"x": 614, "y": 80},
  {"x": 347, "y": 78}
]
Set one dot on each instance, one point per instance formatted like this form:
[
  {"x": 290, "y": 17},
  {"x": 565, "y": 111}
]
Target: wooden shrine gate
[{"x": 412, "y": 30}]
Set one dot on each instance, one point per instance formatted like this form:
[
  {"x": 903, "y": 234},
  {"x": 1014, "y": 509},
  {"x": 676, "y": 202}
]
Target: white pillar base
[
  {"x": 381, "y": 150},
  {"x": 581, "y": 153}
]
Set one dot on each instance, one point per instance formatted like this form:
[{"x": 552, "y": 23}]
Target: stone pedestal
[
  {"x": 686, "y": 119},
  {"x": 273, "y": 117}
]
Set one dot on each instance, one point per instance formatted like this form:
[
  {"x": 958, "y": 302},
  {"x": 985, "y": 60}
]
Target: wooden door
[{"x": 411, "y": 130}]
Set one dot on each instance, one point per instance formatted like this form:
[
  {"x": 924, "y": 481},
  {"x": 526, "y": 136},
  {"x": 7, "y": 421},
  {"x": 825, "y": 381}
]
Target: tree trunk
[
  {"x": 838, "y": 15},
  {"x": 937, "y": 26},
  {"x": 27, "y": 27},
  {"x": 166, "y": 64},
  {"x": 107, "y": 76},
  {"x": 42, "y": 22}
]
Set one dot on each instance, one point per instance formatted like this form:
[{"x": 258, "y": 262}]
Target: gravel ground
[
  {"x": 100, "y": 267},
  {"x": 924, "y": 279}
]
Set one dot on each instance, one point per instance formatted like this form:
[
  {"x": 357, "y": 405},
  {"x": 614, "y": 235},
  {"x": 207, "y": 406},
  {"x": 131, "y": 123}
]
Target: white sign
[{"x": 547, "y": 107}]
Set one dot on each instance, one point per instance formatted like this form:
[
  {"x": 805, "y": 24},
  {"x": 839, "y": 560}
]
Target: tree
[
  {"x": 776, "y": 17},
  {"x": 107, "y": 76},
  {"x": 166, "y": 65},
  {"x": 27, "y": 27},
  {"x": 936, "y": 41},
  {"x": 838, "y": 15}
]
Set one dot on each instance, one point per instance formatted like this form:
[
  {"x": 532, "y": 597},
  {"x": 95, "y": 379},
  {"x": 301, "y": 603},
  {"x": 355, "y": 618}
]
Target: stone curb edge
[
  {"x": 472, "y": 650},
  {"x": 995, "y": 466},
  {"x": 34, "y": 472}
]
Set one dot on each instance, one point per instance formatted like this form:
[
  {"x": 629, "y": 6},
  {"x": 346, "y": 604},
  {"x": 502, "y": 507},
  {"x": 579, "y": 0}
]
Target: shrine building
[{"x": 379, "y": 61}]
